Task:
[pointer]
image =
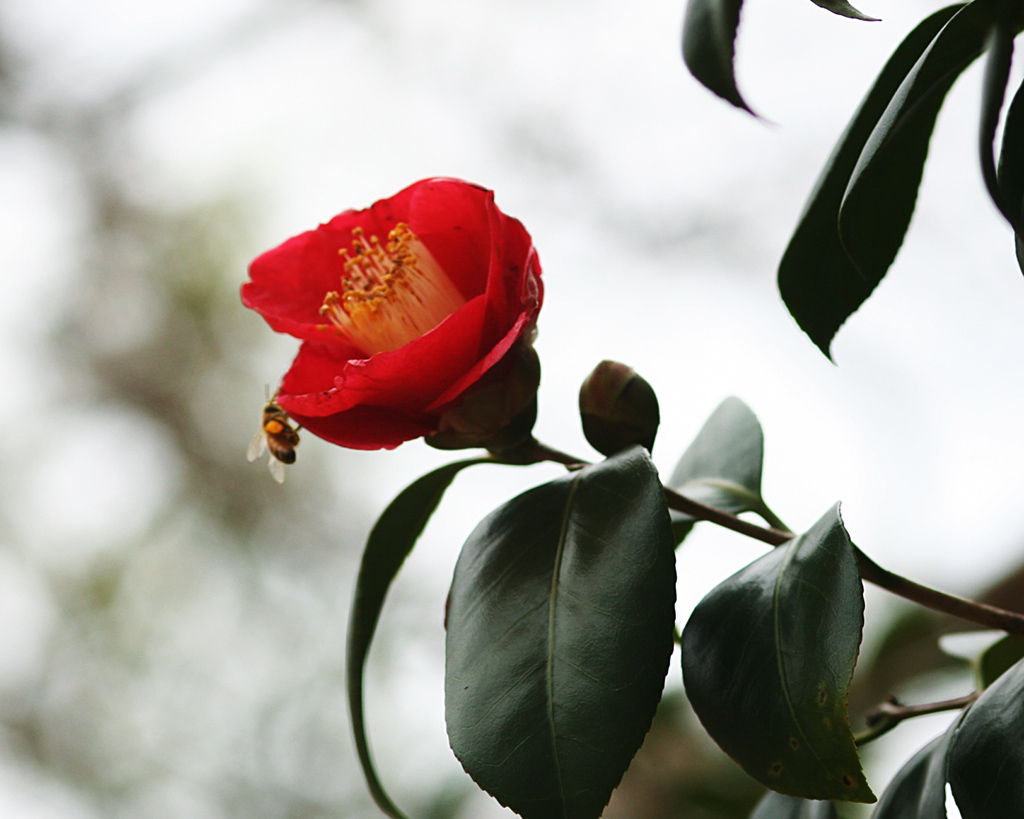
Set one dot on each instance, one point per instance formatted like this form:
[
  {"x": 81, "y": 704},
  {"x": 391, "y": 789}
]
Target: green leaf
[
  {"x": 776, "y": 806},
  {"x": 729, "y": 449},
  {"x": 844, "y": 9},
  {"x": 986, "y": 761},
  {"x": 990, "y": 652},
  {"x": 767, "y": 661},
  {"x": 709, "y": 39},
  {"x": 1011, "y": 154},
  {"x": 918, "y": 791},
  {"x": 999, "y": 658},
  {"x": 819, "y": 283},
  {"x": 709, "y": 42},
  {"x": 1010, "y": 173},
  {"x": 722, "y": 467},
  {"x": 969, "y": 645},
  {"x": 880, "y": 198},
  {"x": 560, "y": 630},
  {"x": 997, "y": 74},
  {"x": 391, "y": 540}
]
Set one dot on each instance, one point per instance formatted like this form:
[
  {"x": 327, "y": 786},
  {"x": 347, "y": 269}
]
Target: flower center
[{"x": 390, "y": 294}]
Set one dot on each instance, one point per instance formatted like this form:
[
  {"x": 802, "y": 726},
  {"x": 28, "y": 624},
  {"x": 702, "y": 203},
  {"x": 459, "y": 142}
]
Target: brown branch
[
  {"x": 883, "y": 718},
  {"x": 965, "y": 609}
]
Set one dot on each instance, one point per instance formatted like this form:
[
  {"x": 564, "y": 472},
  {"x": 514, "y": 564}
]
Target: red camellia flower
[{"x": 416, "y": 317}]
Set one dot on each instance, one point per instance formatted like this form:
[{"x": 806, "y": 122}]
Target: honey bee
[{"x": 277, "y": 435}]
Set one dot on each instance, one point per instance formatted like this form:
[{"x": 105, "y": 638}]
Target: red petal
[
  {"x": 366, "y": 427},
  {"x": 478, "y": 370},
  {"x": 380, "y": 401},
  {"x": 453, "y": 219},
  {"x": 410, "y": 378}
]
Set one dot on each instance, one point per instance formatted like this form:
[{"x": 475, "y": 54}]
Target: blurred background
[{"x": 172, "y": 621}]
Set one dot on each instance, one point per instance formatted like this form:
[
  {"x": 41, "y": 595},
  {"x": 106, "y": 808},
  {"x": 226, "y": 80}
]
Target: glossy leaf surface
[
  {"x": 918, "y": 791},
  {"x": 819, "y": 283},
  {"x": 722, "y": 467},
  {"x": 390, "y": 542},
  {"x": 880, "y": 198},
  {"x": 767, "y": 661},
  {"x": 986, "y": 761},
  {"x": 709, "y": 42},
  {"x": 560, "y": 630},
  {"x": 776, "y": 806}
]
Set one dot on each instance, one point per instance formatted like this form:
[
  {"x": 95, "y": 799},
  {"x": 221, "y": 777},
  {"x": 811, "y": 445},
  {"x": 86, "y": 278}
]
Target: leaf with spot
[
  {"x": 389, "y": 544},
  {"x": 722, "y": 467},
  {"x": 767, "y": 661},
  {"x": 560, "y": 630},
  {"x": 918, "y": 791},
  {"x": 986, "y": 761},
  {"x": 818, "y": 281},
  {"x": 776, "y": 806}
]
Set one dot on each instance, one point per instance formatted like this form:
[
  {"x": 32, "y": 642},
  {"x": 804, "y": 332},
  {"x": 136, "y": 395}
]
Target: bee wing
[
  {"x": 277, "y": 470},
  {"x": 257, "y": 446}
]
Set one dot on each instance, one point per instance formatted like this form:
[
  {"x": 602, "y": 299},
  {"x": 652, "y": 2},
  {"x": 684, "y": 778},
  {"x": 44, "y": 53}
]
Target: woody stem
[{"x": 883, "y": 718}]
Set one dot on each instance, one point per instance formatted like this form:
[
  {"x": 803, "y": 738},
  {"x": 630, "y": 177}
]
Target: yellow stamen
[{"x": 390, "y": 295}]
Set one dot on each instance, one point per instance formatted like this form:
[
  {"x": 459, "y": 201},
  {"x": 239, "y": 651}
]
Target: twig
[
  {"x": 965, "y": 609},
  {"x": 883, "y": 718}
]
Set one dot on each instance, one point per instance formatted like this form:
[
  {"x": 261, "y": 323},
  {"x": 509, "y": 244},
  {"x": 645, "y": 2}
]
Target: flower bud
[
  {"x": 618, "y": 409},
  {"x": 499, "y": 413}
]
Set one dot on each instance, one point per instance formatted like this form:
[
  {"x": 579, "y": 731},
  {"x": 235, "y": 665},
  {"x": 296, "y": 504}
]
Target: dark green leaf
[
  {"x": 1011, "y": 167},
  {"x": 997, "y": 74},
  {"x": 682, "y": 525},
  {"x": 767, "y": 661},
  {"x": 776, "y": 806},
  {"x": 998, "y": 658},
  {"x": 709, "y": 38},
  {"x": 818, "y": 282},
  {"x": 1011, "y": 154},
  {"x": 722, "y": 467},
  {"x": 391, "y": 539},
  {"x": 843, "y": 9},
  {"x": 880, "y": 198},
  {"x": 728, "y": 449},
  {"x": 560, "y": 630},
  {"x": 918, "y": 791},
  {"x": 986, "y": 762},
  {"x": 932, "y": 802}
]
